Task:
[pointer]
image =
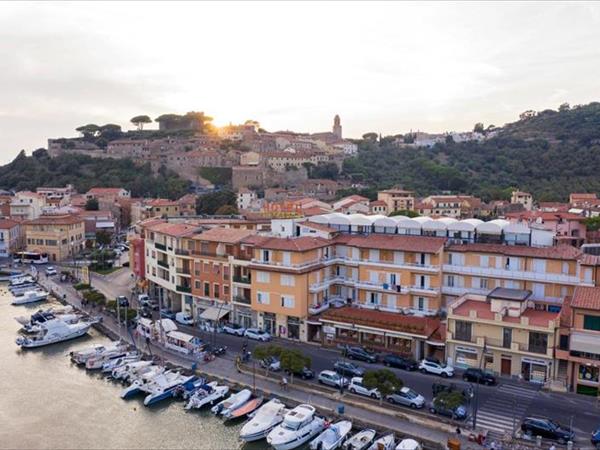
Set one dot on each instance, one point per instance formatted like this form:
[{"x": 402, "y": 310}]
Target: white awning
[
  {"x": 583, "y": 342},
  {"x": 213, "y": 313}
]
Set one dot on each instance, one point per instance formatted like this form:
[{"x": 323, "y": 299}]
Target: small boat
[
  {"x": 42, "y": 315},
  {"x": 247, "y": 408},
  {"x": 299, "y": 426},
  {"x": 332, "y": 437},
  {"x": 207, "y": 395},
  {"x": 32, "y": 296},
  {"x": 8, "y": 274},
  {"x": 54, "y": 331},
  {"x": 409, "y": 444},
  {"x": 123, "y": 373},
  {"x": 142, "y": 381},
  {"x": 20, "y": 280},
  {"x": 165, "y": 385},
  {"x": 386, "y": 442},
  {"x": 112, "y": 364},
  {"x": 81, "y": 356},
  {"x": 21, "y": 289},
  {"x": 361, "y": 440},
  {"x": 187, "y": 391},
  {"x": 232, "y": 402},
  {"x": 96, "y": 362},
  {"x": 36, "y": 326},
  {"x": 263, "y": 420}
]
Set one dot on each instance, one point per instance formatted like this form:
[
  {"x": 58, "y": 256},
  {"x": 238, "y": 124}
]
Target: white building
[{"x": 245, "y": 198}]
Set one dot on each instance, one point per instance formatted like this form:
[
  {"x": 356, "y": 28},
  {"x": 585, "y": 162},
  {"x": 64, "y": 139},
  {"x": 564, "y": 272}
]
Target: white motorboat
[
  {"x": 123, "y": 373},
  {"x": 32, "y": 296},
  {"x": 263, "y": 420},
  {"x": 142, "y": 381},
  {"x": 42, "y": 315},
  {"x": 207, "y": 395},
  {"x": 409, "y": 444},
  {"x": 361, "y": 440},
  {"x": 97, "y": 361},
  {"x": 81, "y": 356},
  {"x": 165, "y": 385},
  {"x": 54, "y": 331},
  {"x": 35, "y": 327},
  {"x": 232, "y": 402},
  {"x": 332, "y": 437},
  {"x": 20, "y": 280},
  {"x": 114, "y": 363},
  {"x": 21, "y": 289},
  {"x": 299, "y": 426},
  {"x": 386, "y": 442}
]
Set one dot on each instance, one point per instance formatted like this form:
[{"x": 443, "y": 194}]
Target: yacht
[
  {"x": 299, "y": 426},
  {"x": 41, "y": 315},
  {"x": 386, "y": 442},
  {"x": 22, "y": 288},
  {"x": 142, "y": 381},
  {"x": 409, "y": 444},
  {"x": 332, "y": 437},
  {"x": 233, "y": 402},
  {"x": 361, "y": 440},
  {"x": 54, "y": 331},
  {"x": 123, "y": 373},
  {"x": 246, "y": 409},
  {"x": 31, "y": 296},
  {"x": 20, "y": 280},
  {"x": 36, "y": 325},
  {"x": 164, "y": 386},
  {"x": 115, "y": 363},
  {"x": 207, "y": 395},
  {"x": 81, "y": 356},
  {"x": 263, "y": 421},
  {"x": 97, "y": 361}
]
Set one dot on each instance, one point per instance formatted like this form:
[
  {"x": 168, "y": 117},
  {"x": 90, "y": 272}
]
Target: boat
[
  {"x": 21, "y": 289},
  {"x": 142, "y": 381},
  {"x": 299, "y": 426},
  {"x": 8, "y": 274},
  {"x": 20, "y": 280},
  {"x": 54, "y": 331},
  {"x": 232, "y": 402},
  {"x": 97, "y": 361},
  {"x": 385, "y": 442},
  {"x": 361, "y": 440},
  {"x": 35, "y": 326},
  {"x": 207, "y": 395},
  {"x": 263, "y": 420},
  {"x": 249, "y": 407},
  {"x": 112, "y": 364},
  {"x": 32, "y": 296},
  {"x": 333, "y": 436},
  {"x": 188, "y": 390},
  {"x": 165, "y": 385},
  {"x": 41, "y": 315},
  {"x": 123, "y": 373},
  {"x": 409, "y": 444},
  {"x": 81, "y": 356}
]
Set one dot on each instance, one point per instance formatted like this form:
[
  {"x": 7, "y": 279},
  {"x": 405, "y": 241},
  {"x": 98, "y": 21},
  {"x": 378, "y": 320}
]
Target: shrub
[{"x": 81, "y": 286}]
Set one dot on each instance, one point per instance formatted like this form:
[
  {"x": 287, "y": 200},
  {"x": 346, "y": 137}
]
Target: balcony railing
[
  {"x": 240, "y": 279},
  {"x": 240, "y": 299},
  {"x": 163, "y": 264},
  {"x": 160, "y": 246},
  {"x": 186, "y": 289},
  {"x": 514, "y": 274},
  {"x": 183, "y": 270},
  {"x": 182, "y": 252}
]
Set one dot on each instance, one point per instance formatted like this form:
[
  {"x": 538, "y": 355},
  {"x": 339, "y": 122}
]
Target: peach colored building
[{"x": 569, "y": 228}]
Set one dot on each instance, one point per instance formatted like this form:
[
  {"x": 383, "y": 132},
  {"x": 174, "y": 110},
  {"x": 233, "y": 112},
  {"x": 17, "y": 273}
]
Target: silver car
[
  {"x": 331, "y": 378},
  {"x": 406, "y": 397}
]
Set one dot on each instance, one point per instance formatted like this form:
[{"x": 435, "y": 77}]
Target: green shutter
[{"x": 591, "y": 323}]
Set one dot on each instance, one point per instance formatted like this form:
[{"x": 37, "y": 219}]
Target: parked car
[
  {"x": 50, "y": 271},
  {"x": 305, "y": 373},
  {"x": 331, "y": 378},
  {"x": 406, "y": 397},
  {"x": 356, "y": 386},
  {"x": 348, "y": 369},
  {"x": 184, "y": 318},
  {"x": 479, "y": 376},
  {"x": 438, "y": 388},
  {"x": 458, "y": 413},
  {"x": 234, "y": 328},
  {"x": 360, "y": 354},
  {"x": 122, "y": 301},
  {"x": 272, "y": 363},
  {"x": 167, "y": 314},
  {"x": 400, "y": 362},
  {"x": 146, "y": 312},
  {"x": 548, "y": 429},
  {"x": 436, "y": 368},
  {"x": 596, "y": 438},
  {"x": 257, "y": 335},
  {"x": 143, "y": 300}
]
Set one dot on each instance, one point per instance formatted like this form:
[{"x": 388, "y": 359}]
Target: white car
[
  {"x": 184, "y": 318},
  {"x": 50, "y": 271},
  {"x": 257, "y": 335},
  {"x": 357, "y": 387},
  {"x": 436, "y": 368},
  {"x": 331, "y": 378},
  {"x": 234, "y": 328}
]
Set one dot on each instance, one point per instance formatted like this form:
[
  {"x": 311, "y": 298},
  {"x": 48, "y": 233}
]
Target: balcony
[
  {"x": 182, "y": 252},
  {"x": 183, "y": 270},
  {"x": 186, "y": 289},
  {"x": 456, "y": 290},
  {"x": 491, "y": 272},
  {"x": 240, "y": 299},
  {"x": 163, "y": 264},
  {"x": 241, "y": 279},
  {"x": 424, "y": 290},
  {"x": 160, "y": 246}
]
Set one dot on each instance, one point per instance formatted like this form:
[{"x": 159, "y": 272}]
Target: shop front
[
  {"x": 587, "y": 379},
  {"x": 244, "y": 316},
  {"x": 534, "y": 370},
  {"x": 465, "y": 357}
]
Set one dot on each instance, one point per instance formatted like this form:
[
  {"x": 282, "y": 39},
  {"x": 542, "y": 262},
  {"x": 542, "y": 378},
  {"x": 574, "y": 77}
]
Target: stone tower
[{"x": 337, "y": 127}]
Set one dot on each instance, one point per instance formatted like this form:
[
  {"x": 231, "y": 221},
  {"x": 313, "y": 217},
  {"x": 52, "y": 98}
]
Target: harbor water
[{"x": 48, "y": 402}]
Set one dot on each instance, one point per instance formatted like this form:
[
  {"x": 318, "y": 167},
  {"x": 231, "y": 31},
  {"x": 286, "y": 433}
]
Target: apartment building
[
  {"x": 568, "y": 228},
  {"x": 11, "y": 237},
  {"x": 522, "y": 198},
  {"x": 397, "y": 199},
  {"x": 504, "y": 332},
  {"x": 26, "y": 205},
  {"x": 60, "y": 236},
  {"x": 455, "y": 206},
  {"x": 578, "y": 346}
]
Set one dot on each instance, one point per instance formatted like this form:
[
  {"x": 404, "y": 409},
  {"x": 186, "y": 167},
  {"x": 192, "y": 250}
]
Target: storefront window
[
  {"x": 293, "y": 324},
  {"x": 370, "y": 339},
  {"x": 588, "y": 373},
  {"x": 400, "y": 345},
  {"x": 465, "y": 357},
  {"x": 347, "y": 335}
]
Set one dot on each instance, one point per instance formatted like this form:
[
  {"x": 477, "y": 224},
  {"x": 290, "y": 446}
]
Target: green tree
[
  {"x": 210, "y": 203},
  {"x": 478, "y": 128},
  {"x": 592, "y": 223},
  {"x": 370, "y": 137},
  {"x": 564, "y": 107},
  {"x": 103, "y": 237},
  {"x": 88, "y": 131},
  {"x": 92, "y": 204},
  {"x": 267, "y": 351},
  {"x": 139, "y": 121},
  {"x": 384, "y": 380},
  {"x": 226, "y": 210},
  {"x": 448, "y": 399},
  {"x": 293, "y": 361}
]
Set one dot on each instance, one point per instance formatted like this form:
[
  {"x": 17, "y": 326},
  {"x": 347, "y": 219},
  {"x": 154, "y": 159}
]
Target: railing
[
  {"x": 425, "y": 289},
  {"x": 163, "y": 264},
  {"x": 240, "y": 279},
  {"x": 533, "y": 349},
  {"x": 186, "y": 289},
  {"x": 239, "y": 299},
  {"x": 182, "y": 252},
  {"x": 460, "y": 290},
  {"x": 183, "y": 270},
  {"x": 160, "y": 246},
  {"x": 513, "y": 274},
  {"x": 500, "y": 343}
]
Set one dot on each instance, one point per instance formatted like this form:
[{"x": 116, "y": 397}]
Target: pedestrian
[
  {"x": 284, "y": 383},
  {"x": 458, "y": 432}
]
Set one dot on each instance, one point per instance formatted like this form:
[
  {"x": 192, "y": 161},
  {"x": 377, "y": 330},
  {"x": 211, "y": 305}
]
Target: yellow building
[
  {"x": 397, "y": 199},
  {"x": 504, "y": 332},
  {"x": 60, "y": 237}
]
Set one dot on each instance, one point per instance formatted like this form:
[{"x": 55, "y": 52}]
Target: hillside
[
  {"x": 551, "y": 154},
  {"x": 85, "y": 172}
]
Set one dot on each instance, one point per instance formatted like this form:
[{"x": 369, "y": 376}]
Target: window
[
  {"x": 450, "y": 258},
  {"x": 506, "y": 337},
  {"x": 538, "y": 342},
  {"x": 262, "y": 298},
  {"x": 207, "y": 289},
  {"x": 483, "y": 283},
  {"x": 373, "y": 298},
  {"x": 484, "y": 261},
  {"x": 591, "y": 323},
  {"x": 564, "y": 342},
  {"x": 462, "y": 330},
  {"x": 225, "y": 289},
  {"x": 216, "y": 268},
  {"x": 216, "y": 290},
  {"x": 287, "y": 280},
  {"x": 197, "y": 284},
  {"x": 206, "y": 267},
  {"x": 226, "y": 272},
  {"x": 266, "y": 255},
  {"x": 450, "y": 281},
  {"x": 421, "y": 303},
  {"x": 263, "y": 277},
  {"x": 287, "y": 301}
]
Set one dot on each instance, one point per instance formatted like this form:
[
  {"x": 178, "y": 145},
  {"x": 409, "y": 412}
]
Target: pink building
[{"x": 569, "y": 228}]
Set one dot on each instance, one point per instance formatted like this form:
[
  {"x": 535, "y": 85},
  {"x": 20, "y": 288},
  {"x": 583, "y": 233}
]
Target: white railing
[
  {"x": 512, "y": 274},
  {"x": 423, "y": 289}
]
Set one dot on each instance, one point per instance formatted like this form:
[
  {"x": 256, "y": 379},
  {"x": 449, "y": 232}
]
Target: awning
[
  {"x": 213, "y": 313},
  {"x": 586, "y": 343}
]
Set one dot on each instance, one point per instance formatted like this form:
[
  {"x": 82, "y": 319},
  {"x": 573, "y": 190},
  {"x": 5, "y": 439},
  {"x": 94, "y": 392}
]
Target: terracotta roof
[
  {"x": 424, "y": 326},
  {"x": 299, "y": 244},
  {"x": 548, "y": 216},
  {"x": 590, "y": 260},
  {"x": 100, "y": 190},
  {"x": 173, "y": 229},
  {"x": 161, "y": 202},
  {"x": 586, "y": 298},
  {"x": 378, "y": 203},
  {"x": 6, "y": 224},
  {"x": 314, "y": 211},
  {"x": 67, "y": 219},
  {"x": 225, "y": 235},
  {"x": 424, "y": 244},
  {"x": 558, "y": 252},
  {"x": 484, "y": 311}
]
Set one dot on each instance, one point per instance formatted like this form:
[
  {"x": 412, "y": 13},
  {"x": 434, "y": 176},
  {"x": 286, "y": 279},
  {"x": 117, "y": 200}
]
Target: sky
[{"x": 386, "y": 67}]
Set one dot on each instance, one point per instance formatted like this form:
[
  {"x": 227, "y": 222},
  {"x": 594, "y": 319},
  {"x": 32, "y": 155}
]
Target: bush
[
  {"x": 81, "y": 286},
  {"x": 94, "y": 297}
]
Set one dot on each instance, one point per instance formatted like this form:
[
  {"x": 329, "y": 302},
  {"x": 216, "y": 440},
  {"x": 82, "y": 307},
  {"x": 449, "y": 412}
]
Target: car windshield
[{"x": 410, "y": 394}]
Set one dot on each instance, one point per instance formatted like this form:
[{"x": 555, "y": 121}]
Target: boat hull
[
  {"x": 299, "y": 440},
  {"x": 30, "y": 343}
]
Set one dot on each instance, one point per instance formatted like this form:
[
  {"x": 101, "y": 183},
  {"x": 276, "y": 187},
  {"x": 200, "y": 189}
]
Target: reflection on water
[{"x": 47, "y": 402}]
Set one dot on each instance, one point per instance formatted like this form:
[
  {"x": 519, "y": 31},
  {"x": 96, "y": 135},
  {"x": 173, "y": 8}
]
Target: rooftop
[
  {"x": 424, "y": 244},
  {"x": 586, "y": 298},
  {"x": 173, "y": 229},
  {"x": 300, "y": 244},
  {"x": 516, "y": 295},
  {"x": 224, "y": 235},
  {"x": 105, "y": 190},
  {"x": 484, "y": 311},
  {"x": 66, "y": 219},
  {"x": 558, "y": 252},
  {"x": 6, "y": 224}
]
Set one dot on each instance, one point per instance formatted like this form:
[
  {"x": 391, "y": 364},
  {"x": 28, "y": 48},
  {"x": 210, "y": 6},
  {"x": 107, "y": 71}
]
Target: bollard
[
  {"x": 538, "y": 441},
  {"x": 340, "y": 409},
  {"x": 570, "y": 445}
]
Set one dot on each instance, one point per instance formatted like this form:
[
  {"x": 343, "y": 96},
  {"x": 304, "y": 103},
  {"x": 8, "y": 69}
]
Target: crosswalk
[{"x": 501, "y": 414}]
